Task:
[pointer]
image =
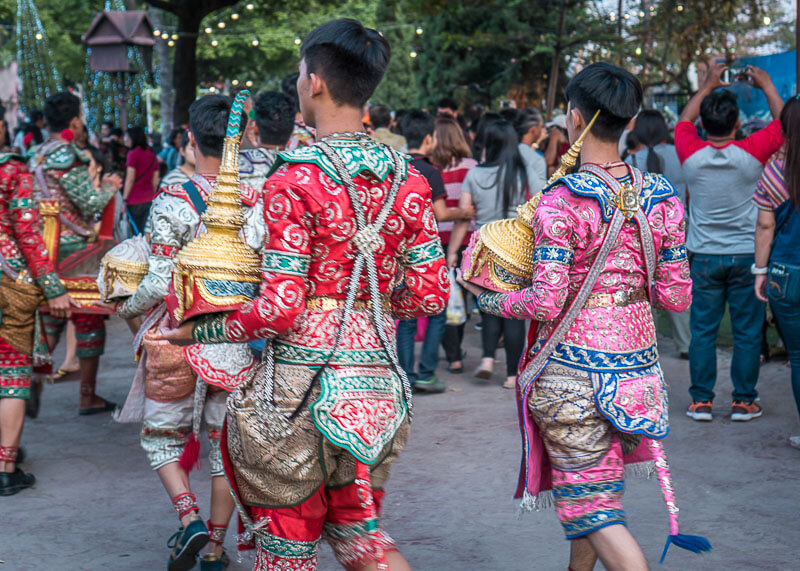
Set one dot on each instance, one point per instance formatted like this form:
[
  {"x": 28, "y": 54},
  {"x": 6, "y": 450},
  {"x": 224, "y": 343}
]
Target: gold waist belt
[
  {"x": 324, "y": 303},
  {"x": 617, "y": 299}
]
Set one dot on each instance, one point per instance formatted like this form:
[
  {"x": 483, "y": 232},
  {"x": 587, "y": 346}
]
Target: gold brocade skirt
[{"x": 18, "y": 305}]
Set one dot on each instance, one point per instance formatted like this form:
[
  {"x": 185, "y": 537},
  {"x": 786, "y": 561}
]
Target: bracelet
[{"x": 756, "y": 271}]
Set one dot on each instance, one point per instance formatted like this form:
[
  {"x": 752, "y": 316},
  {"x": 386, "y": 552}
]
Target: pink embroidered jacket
[{"x": 569, "y": 224}]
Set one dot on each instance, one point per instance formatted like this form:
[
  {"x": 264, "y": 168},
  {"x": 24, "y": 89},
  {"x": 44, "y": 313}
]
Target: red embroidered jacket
[
  {"x": 22, "y": 251},
  {"x": 308, "y": 248}
]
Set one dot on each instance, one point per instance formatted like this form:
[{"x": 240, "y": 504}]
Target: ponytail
[{"x": 655, "y": 163}]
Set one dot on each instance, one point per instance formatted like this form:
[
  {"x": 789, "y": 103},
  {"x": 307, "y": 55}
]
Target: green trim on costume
[
  {"x": 210, "y": 328},
  {"x": 424, "y": 254},
  {"x": 360, "y": 154},
  {"x": 290, "y": 354},
  {"x": 287, "y": 548},
  {"x": 20, "y": 203},
  {"x": 50, "y": 285},
  {"x": 23, "y": 393},
  {"x": 286, "y": 263}
]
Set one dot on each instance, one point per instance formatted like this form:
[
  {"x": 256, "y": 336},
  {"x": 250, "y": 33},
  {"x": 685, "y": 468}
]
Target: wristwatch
[{"x": 756, "y": 271}]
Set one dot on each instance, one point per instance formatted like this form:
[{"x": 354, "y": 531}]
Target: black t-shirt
[{"x": 430, "y": 172}]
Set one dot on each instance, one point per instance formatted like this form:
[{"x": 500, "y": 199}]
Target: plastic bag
[{"x": 456, "y": 309}]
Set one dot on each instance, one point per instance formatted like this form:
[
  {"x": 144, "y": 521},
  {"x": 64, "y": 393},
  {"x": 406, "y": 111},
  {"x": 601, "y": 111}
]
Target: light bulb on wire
[
  {"x": 234, "y": 16},
  {"x": 248, "y": 83},
  {"x": 171, "y": 43},
  {"x": 214, "y": 42},
  {"x": 255, "y": 42},
  {"x": 174, "y": 37},
  {"x": 220, "y": 25},
  {"x": 38, "y": 36},
  {"x": 767, "y": 20},
  {"x": 208, "y": 30},
  {"x": 156, "y": 32},
  {"x": 413, "y": 54},
  {"x": 235, "y": 82},
  {"x": 419, "y": 30},
  {"x": 249, "y": 6},
  {"x": 165, "y": 36},
  {"x": 297, "y": 41}
]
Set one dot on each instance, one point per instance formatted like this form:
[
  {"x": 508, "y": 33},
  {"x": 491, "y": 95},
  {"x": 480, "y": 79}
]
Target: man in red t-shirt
[{"x": 722, "y": 174}]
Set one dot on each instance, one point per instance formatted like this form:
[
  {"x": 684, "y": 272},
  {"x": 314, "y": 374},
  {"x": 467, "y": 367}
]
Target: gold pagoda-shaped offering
[
  {"x": 218, "y": 271},
  {"x": 500, "y": 256}
]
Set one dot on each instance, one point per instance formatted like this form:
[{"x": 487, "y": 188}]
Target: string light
[
  {"x": 214, "y": 42},
  {"x": 171, "y": 43},
  {"x": 234, "y": 16},
  {"x": 220, "y": 25},
  {"x": 38, "y": 75},
  {"x": 38, "y": 36},
  {"x": 174, "y": 37},
  {"x": 255, "y": 42},
  {"x": 156, "y": 32},
  {"x": 212, "y": 89},
  {"x": 638, "y": 50},
  {"x": 249, "y": 83},
  {"x": 680, "y": 8},
  {"x": 249, "y": 6},
  {"x": 208, "y": 30},
  {"x": 419, "y": 30},
  {"x": 627, "y": 16},
  {"x": 767, "y": 20},
  {"x": 164, "y": 36},
  {"x": 641, "y": 13},
  {"x": 413, "y": 54},
  {"x": 297, "y": 41},
  {"x": 235, "y": 82},
  {"x": 612, "y": 16}
]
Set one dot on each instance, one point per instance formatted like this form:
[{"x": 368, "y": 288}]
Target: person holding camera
[{"x": 721, "y": 174}]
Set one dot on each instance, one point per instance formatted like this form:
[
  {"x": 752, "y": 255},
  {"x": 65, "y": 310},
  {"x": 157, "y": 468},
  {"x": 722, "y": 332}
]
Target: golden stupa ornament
[
  {"x": 218, "y": 271},
  {"x": 500, "y": 256}
]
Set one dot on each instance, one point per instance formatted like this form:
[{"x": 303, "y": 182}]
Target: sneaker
[
  {"x": 794, "y": 441},
  {"x": 743, "y": 411},
  {"x": 699, "y": 411},
  {"x": 186, "y": 544},
  {"x": 432, "y": 385},
  {"x": 16, "y": 481}
]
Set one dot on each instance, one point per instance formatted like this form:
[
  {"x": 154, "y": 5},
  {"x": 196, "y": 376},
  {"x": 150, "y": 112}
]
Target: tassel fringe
[
  {"x": 190, "y": 457},
  {"x": 531, "y": 503},
  {"x": 693, "y": 543}
]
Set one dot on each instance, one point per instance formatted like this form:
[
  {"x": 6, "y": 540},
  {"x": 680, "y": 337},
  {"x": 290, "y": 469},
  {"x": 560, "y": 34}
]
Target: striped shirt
[
  {"x": 453, "y": 179},
  {"x": 771, "y": 190}
]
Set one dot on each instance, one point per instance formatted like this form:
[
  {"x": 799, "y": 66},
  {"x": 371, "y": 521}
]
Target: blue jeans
[
  {"x": 717, "y": 280},
  {"x": 783, "y": 292},
  {"x": 429, "y": 360}
]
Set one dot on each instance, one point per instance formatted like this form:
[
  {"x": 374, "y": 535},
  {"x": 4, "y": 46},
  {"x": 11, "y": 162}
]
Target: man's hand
[
  {"x": 468, "y": 212},
  {"x": 714, "y": 77},
  {"x": 181, "y": 336},
  {"x": 452, "y": 259},
  {"x": 61, "y": 306},
  {"x": 758, "y": 77},
  {"x": 112, "y": 305},
  {"x": 112, "y": 179},
  {"x": 469, "y": 286},
  {"x": 761, "y": 287}
]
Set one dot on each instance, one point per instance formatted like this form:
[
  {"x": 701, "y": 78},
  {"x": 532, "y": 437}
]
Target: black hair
[
  {"x": 719, "y": 112},
  {"x": 109, "y": 123},
  {"x": 527, "y": 118},
  {"x": 509, "y": 114},
  {"x": 651, "y": 130},
  {"x": 184, "y": 139},
  {"x": 208, "y": 121},
  {"x": 289, "y": 88},
  {"x": 416, "y": 125},
  {"x": 479, "y": 143},
  {"x": 380, "y": 116},
  {"x": 447, "y": 103},
  {"x": 274, "y": 117},
  {"x": 59, "y": 109},
  {"x": 349, "y": 57},
  {"x": 100, "y": 159},
  {"x": 38, "y": 138},
  {"x": 138, "y": 137},
  {"x": 502, "y": 150},
  {"x": 7, "y": 141},
  {"x": 790, "y": 125},
  {"x": 174, "y": 132},
  {"x": 116, "y": 132},
  {"x": 616, "y": 93},
  {"x": 36, "y": 115}
]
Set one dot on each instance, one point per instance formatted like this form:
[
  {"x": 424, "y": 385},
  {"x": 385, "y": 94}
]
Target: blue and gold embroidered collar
[
  {"x": 361, "y": 154},
  {"x": 656, "y": 188}
]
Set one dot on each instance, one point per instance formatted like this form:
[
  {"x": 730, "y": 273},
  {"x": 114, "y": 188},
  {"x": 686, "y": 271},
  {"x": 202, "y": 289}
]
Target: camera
[{"x": 738, "y": 73}]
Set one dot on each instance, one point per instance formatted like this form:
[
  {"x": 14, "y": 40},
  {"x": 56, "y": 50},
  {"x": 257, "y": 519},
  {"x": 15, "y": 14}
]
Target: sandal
[
  {"x": 108, "y": 406},
  {"x": 510, "y": 383},
  {"x": 62, "y": 374}
]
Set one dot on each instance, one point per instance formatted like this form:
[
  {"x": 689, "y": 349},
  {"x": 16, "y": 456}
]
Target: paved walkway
[{"x": 98, "y": 506}]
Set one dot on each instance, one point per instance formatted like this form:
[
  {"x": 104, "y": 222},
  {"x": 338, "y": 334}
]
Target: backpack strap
[{"x": 194, "y": 195}]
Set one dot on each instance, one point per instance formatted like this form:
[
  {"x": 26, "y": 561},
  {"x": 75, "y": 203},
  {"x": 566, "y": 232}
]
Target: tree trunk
[
  {"x": 553, "y": 79},
  {"x": 184, "y": 70},
  {"x": 164, "y": 72}
]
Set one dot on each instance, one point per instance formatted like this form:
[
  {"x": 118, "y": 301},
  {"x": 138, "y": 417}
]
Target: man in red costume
[
  {"x": 351, "y": 244},
  {"x": 26, "y": 278},
  {"x": 61, "y": 172}
]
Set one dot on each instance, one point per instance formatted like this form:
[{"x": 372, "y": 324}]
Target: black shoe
[
  {"x": 16, "y": 481},
  {"x": 186, "y": 544}
]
